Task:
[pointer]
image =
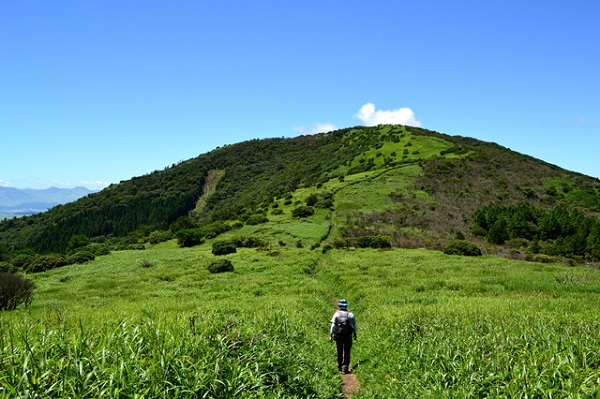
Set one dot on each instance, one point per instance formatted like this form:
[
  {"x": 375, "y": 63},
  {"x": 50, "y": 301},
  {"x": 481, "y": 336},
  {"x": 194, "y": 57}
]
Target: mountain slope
[{"x": 420, "y": 188}]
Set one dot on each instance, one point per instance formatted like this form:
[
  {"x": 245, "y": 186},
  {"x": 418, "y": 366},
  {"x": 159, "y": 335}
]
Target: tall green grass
[
  {"x": 435, "y": 326},
  {"x": 156, "y": 323}
]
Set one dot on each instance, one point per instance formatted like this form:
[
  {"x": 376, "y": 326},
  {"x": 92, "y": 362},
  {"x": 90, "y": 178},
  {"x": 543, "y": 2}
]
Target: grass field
[{"x": 156, "y": 323}]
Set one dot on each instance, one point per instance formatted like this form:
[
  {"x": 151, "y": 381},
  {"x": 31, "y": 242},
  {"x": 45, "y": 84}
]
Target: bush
[
  {"x": 303, "y": 211},
  {"x": 460, "y": 247},
  {"x": 256, "y": 219},
  {"x": 14, "y": 290},
  {"x": 102, "y": 250},
  {"x": 223, "y": 248},
  {"x": 6, "y": 267},
  {"x": 220, "y": 266},
  {"x": 312, "y": 200},
  {"x": 160, "y": 236},
  {"x": 22, "y": 261},
  {"x": 46, "y": 262},
  {"x": 541, "y": 258},
  {"x": 378, "y": 241},
  {"x": 249, "y": 242},
  {"x": 81, "y": 257},
  {"x": 189, "y": 237}
]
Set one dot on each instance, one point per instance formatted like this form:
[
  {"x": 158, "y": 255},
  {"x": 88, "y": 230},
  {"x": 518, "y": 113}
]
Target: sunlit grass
[{"x": 430, "y": 325}]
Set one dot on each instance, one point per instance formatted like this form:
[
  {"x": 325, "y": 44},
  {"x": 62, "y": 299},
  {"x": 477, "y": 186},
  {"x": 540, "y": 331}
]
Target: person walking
[{"x": 343, "y": 328}]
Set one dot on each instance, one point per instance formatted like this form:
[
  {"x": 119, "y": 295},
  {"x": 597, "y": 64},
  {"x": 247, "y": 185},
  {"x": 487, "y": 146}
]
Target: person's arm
[
  {"x": 333, "y": 320},
  {"x": 354, "y": 327}
]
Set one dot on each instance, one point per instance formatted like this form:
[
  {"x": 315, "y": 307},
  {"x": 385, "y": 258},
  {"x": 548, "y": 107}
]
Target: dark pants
[{"x": 344, "y": 345}]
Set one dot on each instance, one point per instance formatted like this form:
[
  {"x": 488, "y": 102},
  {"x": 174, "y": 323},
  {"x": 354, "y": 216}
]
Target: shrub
[
  {"x": 339, "y": 243},
  {"x": 277, "y": 212},
  {"x": 15, "y": 290},
  {"x": 303, "y": 211},
  {"x": 312, "y": 200},
  {"x": 223, "y": 247},
  {"x": 77, "y": 241},
  {"x": 81, "y": 257},
  {"x": 6, "y": 267},
  {"x": 220, "y": 266},
  {"x": 460, "y": 247},
  {"x": 541, "y": 258},
  {"x": 160, "y": 236},
  {"x": 46, "y": 262},
  {"x": 22, "y": 261},
  {"x": 256, "y": 219},
  {"x": 189, "y": 237},
  {"x": 248, "y": 242},
  {"x": 102, "y": 250},
  {"x": 378, "y": 241}
]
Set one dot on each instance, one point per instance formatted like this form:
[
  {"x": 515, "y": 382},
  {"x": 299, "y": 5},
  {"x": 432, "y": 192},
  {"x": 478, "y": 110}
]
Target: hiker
[{"x": 343, "y": 327}]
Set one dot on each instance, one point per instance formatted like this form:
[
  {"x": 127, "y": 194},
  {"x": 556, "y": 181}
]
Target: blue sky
[{"x": 95, "y": 92}]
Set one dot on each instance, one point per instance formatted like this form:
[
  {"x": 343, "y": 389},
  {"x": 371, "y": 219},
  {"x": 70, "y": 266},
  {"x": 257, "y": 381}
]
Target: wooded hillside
[{"x": 415, "y": 187}]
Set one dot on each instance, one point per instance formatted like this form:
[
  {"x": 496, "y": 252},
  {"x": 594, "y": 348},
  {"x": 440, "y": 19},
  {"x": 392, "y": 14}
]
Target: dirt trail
[{"x": 351, "y": 385}]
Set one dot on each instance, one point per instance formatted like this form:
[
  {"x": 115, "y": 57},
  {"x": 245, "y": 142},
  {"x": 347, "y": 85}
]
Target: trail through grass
[{"x": 430, "y": 326}]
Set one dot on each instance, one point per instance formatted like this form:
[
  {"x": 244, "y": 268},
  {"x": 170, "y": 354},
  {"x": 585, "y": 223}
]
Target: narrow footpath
[{"x": 351, "y": 385}]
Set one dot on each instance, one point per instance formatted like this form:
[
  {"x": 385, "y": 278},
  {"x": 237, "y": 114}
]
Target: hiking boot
[{"x": 344, "y": 370}]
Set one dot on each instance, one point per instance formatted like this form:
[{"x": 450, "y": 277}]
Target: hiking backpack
[{"x": 344, "y": 328}]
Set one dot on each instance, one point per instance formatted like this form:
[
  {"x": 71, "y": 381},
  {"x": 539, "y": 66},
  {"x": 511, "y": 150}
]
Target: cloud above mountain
[
  {"x": 317, "y": 128},
  {"x": 372, "y": 117}
]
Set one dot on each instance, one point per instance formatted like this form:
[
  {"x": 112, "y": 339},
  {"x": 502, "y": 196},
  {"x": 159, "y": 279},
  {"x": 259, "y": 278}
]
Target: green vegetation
[
  {"x": 430, "y": 326},
  {"x": 132, "y": 301},
  {"x": 14, "y": 291},
  {"x": 418, "y": 187},
  {"x": 220, "y": 266}
]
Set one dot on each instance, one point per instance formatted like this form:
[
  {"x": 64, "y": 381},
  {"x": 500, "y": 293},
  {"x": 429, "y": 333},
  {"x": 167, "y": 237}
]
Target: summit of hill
[{"x": 388, "y": 185}]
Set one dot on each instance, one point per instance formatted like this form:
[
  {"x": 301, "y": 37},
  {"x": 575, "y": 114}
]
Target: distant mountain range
[{"x": 28, "y": 201}]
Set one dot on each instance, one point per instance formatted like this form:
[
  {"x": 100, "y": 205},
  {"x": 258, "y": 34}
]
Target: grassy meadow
[{"x": 156, "y": 323}]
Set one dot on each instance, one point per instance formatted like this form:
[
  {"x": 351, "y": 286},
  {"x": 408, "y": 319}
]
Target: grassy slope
[{"x": 431, "y": 325}]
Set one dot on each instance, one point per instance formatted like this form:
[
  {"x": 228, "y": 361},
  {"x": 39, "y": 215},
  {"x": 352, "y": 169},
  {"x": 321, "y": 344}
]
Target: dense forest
[{"x": 463, "y": 189}]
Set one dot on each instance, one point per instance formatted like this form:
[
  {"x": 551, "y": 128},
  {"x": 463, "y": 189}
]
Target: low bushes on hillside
[
  {"x": 14, "y": 291},
  {"x": 460, "y": 247},
  {"x": 303, "y": 211},
  {"x": 253, "y": 220},
  {"x": 220, "y": 266},
  {"x": 189, "y": 237},
  {"x": 81, "y": 257},
  {"x": 46, "y": 262},
  {"x": 160, "y": 236},
  {"x": 223, "y": 247},
  {"x": 378, "y": 241}
]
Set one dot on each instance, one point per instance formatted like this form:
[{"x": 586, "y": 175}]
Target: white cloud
[
  {"x": 94, "y": 184},
  {"x": 318, "y": 128},
  {"x": 400, "y": 116},
  {"x": 4, "y": 183}
]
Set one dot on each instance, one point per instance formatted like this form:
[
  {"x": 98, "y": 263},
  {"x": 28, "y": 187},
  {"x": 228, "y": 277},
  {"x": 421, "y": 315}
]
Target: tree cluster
[{"x": 557, "y": 232}]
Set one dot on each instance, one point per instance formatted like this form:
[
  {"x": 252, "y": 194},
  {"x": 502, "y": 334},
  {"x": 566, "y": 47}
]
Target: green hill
[
  {"x": 362, "y": 214},
  {"x": 417, "y": 188}
]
